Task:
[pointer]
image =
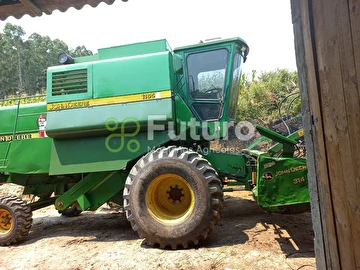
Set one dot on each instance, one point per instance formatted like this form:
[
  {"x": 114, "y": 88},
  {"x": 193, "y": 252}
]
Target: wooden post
[{"x": 327, "y": 45}]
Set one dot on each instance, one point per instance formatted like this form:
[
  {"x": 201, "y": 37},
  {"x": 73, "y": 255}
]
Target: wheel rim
[
  {"x": 170, "y": 199},
  {"x": 6, "y": 222}
]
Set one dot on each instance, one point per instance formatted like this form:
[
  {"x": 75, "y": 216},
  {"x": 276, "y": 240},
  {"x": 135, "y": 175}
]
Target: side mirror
[{"x": 243, "y": 50}]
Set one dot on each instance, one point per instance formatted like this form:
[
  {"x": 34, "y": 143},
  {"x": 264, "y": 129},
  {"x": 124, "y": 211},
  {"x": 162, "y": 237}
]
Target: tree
[
  {"x": 12, "y": 53},
  {"x": 23, "y": 63},
  {"x": 80, "y": 51},
  {"x": 269, "y": 97}
]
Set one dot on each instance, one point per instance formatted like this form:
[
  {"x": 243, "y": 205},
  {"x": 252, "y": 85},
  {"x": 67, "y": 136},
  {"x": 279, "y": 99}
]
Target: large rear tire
[
  {"x": 15, "y": 220},
  {"x": 173, "y": 198}
]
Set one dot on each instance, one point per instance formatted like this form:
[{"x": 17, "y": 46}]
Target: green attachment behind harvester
[
  {"x": 281, "y": 179},
  {"x": 282, "y": 184},
  {"x": 287, "y": 143}
]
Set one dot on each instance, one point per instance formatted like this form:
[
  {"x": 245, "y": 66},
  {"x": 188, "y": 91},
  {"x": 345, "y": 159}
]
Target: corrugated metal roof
[{"x": 19, "y": 8}]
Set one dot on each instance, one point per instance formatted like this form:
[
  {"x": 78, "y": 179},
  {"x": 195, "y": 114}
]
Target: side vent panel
[{"x": 70, "y": 82}]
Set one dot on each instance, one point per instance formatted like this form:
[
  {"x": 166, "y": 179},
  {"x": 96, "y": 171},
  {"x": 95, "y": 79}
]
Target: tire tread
[
  {"x": 211, "y": 178},
  {"x": 22, "y": 213}
]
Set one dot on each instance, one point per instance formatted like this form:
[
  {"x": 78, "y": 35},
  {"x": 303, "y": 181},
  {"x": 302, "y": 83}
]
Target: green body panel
[
  {"x": 30, "y": 156},
  {"x": 182, "y": 114},
  {"x": 4, "y": 154},
  {"x": 104, "y": 191},
  {"x": 93, "y": 191},
  {"x": 149, "y": 47},
  {"x": 27, "y": 120},
  {"x": 109, "y": 78},
  {"x": 282, "y": 184},
  {"x": 182, "y": 111},
  {"x": 25, "y": 156},
  {"x": 17, "y": 123},
  {"x": 105, "y": 153},
  {"x": 85, "y": 122},
  {"x": 126, "y": 50},
  {"x": 113, "y": 78},
  {"x": 230, "y": 165},
  {"x": 133, "y": 75}
]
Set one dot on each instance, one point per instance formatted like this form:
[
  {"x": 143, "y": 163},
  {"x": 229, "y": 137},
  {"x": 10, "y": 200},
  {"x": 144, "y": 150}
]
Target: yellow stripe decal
[
  {"x": 108, "y": 101},
  {"x": 22, "y": 136}
]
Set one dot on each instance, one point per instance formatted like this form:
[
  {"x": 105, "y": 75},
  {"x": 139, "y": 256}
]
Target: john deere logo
[
  {"x": 115, "y": 142},
  {"x": 268, "y": 176}
]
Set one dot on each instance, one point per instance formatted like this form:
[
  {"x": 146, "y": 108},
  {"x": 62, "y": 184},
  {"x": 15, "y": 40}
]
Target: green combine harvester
[{"x": 133, "y": 125}]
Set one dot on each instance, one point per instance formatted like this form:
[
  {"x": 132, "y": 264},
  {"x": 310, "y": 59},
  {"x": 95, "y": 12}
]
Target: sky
[{"x": 264, "y": 24}]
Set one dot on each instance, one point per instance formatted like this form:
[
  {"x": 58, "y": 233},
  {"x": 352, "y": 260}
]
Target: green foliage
[
  {"x": 23, "y": 62},
  {"x": 266, "y": 98},
  {"x": 80, "y": 51}
]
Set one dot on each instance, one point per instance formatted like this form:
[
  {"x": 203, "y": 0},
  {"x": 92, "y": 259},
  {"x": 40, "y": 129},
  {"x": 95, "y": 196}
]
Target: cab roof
[{"x": 237, "y": 40}]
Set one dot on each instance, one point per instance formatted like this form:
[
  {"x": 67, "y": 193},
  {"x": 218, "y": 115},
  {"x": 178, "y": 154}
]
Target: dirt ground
[{"x": 245, "y": 238}]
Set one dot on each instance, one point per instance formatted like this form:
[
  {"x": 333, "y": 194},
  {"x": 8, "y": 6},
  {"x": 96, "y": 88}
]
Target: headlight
[{"x": 64, "y": 58}]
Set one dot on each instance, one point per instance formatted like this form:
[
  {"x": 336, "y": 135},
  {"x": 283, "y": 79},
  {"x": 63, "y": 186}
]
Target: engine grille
[{"x": 69, "y": 82}]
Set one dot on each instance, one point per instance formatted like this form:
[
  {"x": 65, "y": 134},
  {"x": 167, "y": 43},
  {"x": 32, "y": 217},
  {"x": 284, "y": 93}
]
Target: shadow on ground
[
  {"x": 242, "y": 222},
  {"x": 104, "y": 225}
]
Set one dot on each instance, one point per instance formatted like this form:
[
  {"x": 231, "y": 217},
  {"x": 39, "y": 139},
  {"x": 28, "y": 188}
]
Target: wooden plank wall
[{"x": 327, "y": 45}]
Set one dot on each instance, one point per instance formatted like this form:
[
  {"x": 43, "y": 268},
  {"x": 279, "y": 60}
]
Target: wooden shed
[{"x": 327, "y": 44}]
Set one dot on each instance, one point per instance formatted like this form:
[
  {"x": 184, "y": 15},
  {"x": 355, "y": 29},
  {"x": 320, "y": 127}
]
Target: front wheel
[
  {"x": 173, "y": 198},
  {"x": 15, "y": 220}
]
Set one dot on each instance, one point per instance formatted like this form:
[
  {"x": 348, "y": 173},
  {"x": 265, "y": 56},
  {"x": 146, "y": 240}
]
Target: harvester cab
[
  {"x": 120, "y": 127},
  {"x": 209, "y": 82}
]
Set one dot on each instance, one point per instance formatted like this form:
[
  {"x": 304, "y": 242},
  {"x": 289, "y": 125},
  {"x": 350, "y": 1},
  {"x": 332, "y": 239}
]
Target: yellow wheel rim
[
  {"x": 6, "y": 222},
  {"x": 170, "y": 199}
]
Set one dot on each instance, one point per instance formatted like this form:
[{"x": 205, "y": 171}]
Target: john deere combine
[{"x": 133, "y": 125}]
